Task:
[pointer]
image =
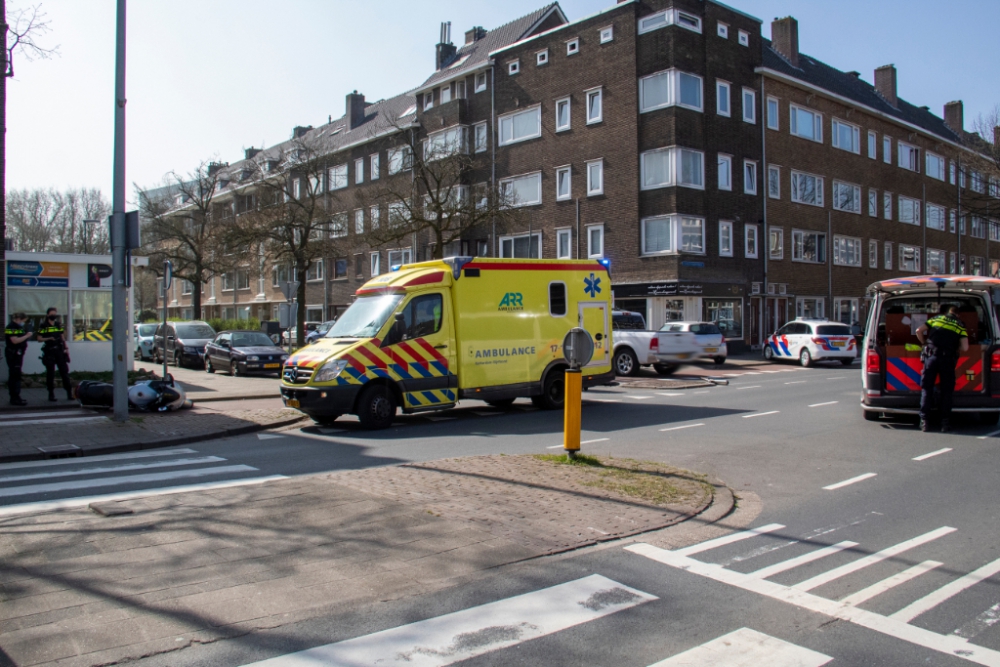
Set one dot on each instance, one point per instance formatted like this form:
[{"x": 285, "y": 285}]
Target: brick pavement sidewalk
[
  {"x": 80, "y": 589},
  {"x": 96, "y": 433}
]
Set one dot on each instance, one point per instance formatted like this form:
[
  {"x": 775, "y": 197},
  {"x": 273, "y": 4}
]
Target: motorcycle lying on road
[{"x": 146, "y": 396}]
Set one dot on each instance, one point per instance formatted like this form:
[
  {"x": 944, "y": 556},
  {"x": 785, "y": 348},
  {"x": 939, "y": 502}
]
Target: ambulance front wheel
[
  {"x": 553, "y": 391},
  {"x": 376, "y": 407}
]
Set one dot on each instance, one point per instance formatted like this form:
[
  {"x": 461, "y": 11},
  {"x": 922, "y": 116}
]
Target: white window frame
[
  {"x": 887, "y": 255},
  {"x": 801, "y": 234},
  {"x": 914, "y": 251},
  {"x": 669, "y": 17},
  {"x": 402, "y": 158},
  {"x": 374, "y": 263},
  {"x": 930, "y": 158},
  {"x": 856, "y": 189},
  {"x": 744, "y": 38},
  {"x": 480, "y": 82},
  {"x": 872, "y": 203},
  {"x": 909, "y": 154},
  {"x": 445, "y": 94},
  {"x": 722, "y": 30},
  {"x": 359, "y": 221},
  {"x": 750, "y": 233},
  {"x": 725, "y": 165},
  {"x": 725, "y": 233},
  {"x": 359, "y": 171},
  {"x": 595, "y": 189},
  {"x": 573, "y": 46},
  {"x": 723, "y": 91},
  {"x": 749, "y": 177},
  {"x": 675, "y": 235},
  {"x": 514, "y": 67},
  {"x": 694, "y": 24},
  {"x": 780, "y": 233},
  {"x": 887, "y": 150},
  {"x": 480, "y": 133},
  {"x": 513, "y": 179},
  {"x": 675, "y": 162},
  {"x": 872, "y": 144},
  {"x": 374, "y": 159},
  {"x": 933, "y": 210},
  {"x": 887, "y": 205},
  {"x": 566, "y": 171},
  {"x": 336, "y": 178},
  {"x": 588, "y": 95},
  {"x": 565, "y": 233},
  {"x": 590, "y": 250},
  {"x": 567, "y": 102},
  {"x": 542, "y": 58},
  {"x": 752, "y": 117},
  {"x": 842, "y": 249},
  {"x": 773, "y": 179},
  {"x": 773, "y": 119},
  {"x": 819, "y": 185},
  {"x": 536, "y": 236},
  {"x": 872, "y": 254},
  {"x": 835, "y": 139},
  {"x": 944, "y": 260},
  {"x": 314, "y": 273},
  {"x": 606, "y": 34},
  {"x": 671, "y": 78},
  {"x": 912, "y": 207},
  {"x": 537, "y": 110},
  {"x": 793, "y": 123}
]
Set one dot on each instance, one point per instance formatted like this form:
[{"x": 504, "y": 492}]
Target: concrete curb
[{"x": 157, "y": 444}]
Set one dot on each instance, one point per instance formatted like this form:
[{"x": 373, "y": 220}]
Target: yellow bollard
[{"x": 572, "y": 404}]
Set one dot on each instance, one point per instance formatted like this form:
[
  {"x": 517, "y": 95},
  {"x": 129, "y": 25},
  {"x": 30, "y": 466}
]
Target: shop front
[
  {"x": 679, "y": 301},
  {"x": 79, "y": 287}
]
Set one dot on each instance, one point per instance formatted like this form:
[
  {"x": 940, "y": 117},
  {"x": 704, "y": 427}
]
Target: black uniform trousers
[
  {"x": 15, "y": 359},
  {"x": 942, "y": 366},
  {"x": 56, "y": 358}
]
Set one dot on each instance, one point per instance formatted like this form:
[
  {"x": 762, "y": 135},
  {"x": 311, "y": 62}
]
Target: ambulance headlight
[{"x": 330, "y": 370}]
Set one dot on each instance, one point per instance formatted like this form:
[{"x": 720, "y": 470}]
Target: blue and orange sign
[{"x": 37, "y": 274}]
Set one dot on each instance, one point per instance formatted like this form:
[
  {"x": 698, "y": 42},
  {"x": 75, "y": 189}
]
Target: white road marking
[
  {"x": 69, "y": 503},
  {"x": 68, "y": 420},
  {"x": 465, "y": 634},
  {"x": 268, "y": 436},
  {"x": 118, "y": 481},
  {"x": 695, "y": 393},
  {"x": 950, "y": 645},
  {"x": 638, "y": 398},
  {"x": 878, "y": 557},
  {"x": 727, "y": 539},
  {"x": 989, "y": 435},
  {"x": 753, "y": 386},
  {"x": 761, "y": 414},
  {"x": 95, "y": 459},
  {"x": 759, "y": 551},
  {"x": 604, "y": 400},
  {"x": 744, "y": 648},
  {"x": 819, "y": 405},
  {"x": 771, "y": 371},
  {"x": 751, "y": 373},
  {"x": 126, "y": 467},
  {"x": 924, "y": 457},
  {"x": 848, "y": 482},
  {"x": 917, "y": 607},
  {"x": 670, "y": 393},
  {"x": 582, "y": 442},
  {"x": 678, "y": 428},
  {"x": 791, "y": 563},
  {"x": 893, "y": 581},
  {"x": 984, "y": 621},
  {"x": 798, "y": 382},
  {"x": 57, "y": 413},
  {"x": 839, "y": 377}
]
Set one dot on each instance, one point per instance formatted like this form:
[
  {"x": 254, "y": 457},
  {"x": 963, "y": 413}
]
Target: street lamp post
[{"x": 119, "y": 303}]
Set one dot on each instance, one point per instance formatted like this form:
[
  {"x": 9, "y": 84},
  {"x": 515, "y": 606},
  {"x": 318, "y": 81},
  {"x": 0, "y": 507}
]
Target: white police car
[{"x": 809, "y": 340}]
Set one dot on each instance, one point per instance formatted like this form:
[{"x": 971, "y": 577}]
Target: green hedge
[{"x": 219, "y": 324}]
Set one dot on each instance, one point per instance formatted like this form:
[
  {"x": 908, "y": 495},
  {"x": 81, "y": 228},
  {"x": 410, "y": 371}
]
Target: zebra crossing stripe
[
  {"x": 928, "y": 602},
  {"x": 746, "y": 647},
  {"x": 895, "y": 580},
  {"x": 465, "y": 634},
  {"x": 119, "y": 481}
]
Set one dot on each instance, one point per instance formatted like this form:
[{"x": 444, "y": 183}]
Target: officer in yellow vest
[
  {"x": 55, "y": 354},
  {"x": 944, "y": 337},
  {"x": 16, "y": 337}
]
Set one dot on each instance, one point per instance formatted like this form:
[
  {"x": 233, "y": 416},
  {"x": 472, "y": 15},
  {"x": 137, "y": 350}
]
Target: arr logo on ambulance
[{"x": 511, "y": 301}]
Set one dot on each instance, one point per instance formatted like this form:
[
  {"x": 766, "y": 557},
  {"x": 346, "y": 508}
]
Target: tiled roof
[
  {"x": 823, "y": 76},
  {"x": 479, "y": 51}
]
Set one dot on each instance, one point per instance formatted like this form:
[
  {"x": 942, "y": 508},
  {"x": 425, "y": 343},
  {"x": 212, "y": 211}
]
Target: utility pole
[{"x": 119, "y": 306}]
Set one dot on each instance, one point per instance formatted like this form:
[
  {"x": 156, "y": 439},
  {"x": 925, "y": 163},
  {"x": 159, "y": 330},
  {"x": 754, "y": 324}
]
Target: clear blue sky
[{"x": 207, "y": 78}]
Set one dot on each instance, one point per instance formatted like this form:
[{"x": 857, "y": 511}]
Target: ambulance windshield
[{"x": 365, "y": 317}]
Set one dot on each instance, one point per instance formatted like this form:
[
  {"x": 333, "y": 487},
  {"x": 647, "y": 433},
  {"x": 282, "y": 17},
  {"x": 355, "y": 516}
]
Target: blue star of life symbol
[{"x": 593, "y": 286}]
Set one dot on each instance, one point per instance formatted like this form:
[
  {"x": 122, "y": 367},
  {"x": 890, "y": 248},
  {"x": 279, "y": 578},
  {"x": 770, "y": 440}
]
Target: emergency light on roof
[{"x": 395, "y": 267}]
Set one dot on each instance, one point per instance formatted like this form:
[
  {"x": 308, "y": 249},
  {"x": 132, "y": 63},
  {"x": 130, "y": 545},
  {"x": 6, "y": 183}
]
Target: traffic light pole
[{"x": 119, "y": 302}]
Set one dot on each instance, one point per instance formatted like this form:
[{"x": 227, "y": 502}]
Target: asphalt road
[{"x": 899, "y": 525}]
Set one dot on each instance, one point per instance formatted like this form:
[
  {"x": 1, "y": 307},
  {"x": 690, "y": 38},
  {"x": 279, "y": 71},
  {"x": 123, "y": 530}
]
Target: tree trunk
[
  {"x": 196, "y": 294},
  {"x": 300, "y": 315}
]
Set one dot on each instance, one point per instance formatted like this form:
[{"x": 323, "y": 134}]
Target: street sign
[
  {"x": 578, "y": 347},
  {"x": 287, "y": 312},
  {"x": 290, "y": 288},
  {"x": 168, "y": 275}
]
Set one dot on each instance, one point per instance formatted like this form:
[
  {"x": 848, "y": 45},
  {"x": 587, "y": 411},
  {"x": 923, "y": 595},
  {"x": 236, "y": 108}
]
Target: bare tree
[
  {"x": 978, "y": 176},
  {"x": 287, "y": 214},
  {"x": 20, "y": 34},
  {"x": 51, "y": 221},
  {"x": 144, "y": 291},
  {"x": 439, "y": 190},
  {"x": 183, "y": 223}
]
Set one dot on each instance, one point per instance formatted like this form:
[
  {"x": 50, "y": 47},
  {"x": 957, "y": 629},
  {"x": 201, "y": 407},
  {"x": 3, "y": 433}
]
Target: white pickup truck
[{"x": 634, "y": 346}]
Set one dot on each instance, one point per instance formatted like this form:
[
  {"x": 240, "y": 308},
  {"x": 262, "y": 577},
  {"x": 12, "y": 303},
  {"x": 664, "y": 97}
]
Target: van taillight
[
  {"x": 995, "y": 362},
  {"x": 654, "y": 343},
  {"x": 871, "y": 361}
]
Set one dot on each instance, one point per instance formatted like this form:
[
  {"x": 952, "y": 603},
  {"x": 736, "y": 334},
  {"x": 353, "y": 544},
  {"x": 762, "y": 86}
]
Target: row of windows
[
  {"x": 605, "y": 35},
  {"x": 688, "y": 21}
]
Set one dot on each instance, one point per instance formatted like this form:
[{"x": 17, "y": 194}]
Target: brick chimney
[
  {"x": 954, "y": 115},
  {"x": 474, "y": 35},
  {"x": 445, "y": 49},
  {"x": 216, "y": 167},
  {"x": 248, "y": 153},
  {"x": 885, "y": 83},
  {"x": 355, "y": 114},
  {"x": 299, "y": 131},
  {"x": 785, "y": 38}
]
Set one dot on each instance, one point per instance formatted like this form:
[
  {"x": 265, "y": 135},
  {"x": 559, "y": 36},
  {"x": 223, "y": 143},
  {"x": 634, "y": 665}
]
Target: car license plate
[
  {"x": 711, "y": 349},
  {"x": 683, "y": 356},
  {"x": 272, "y": 365},
  {"x": 292, "y": 402},
  {"x": 838, "y": 343}
]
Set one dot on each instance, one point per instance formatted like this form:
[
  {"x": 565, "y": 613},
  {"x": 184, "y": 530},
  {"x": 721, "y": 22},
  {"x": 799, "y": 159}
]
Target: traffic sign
[
  {"x": 290, "y": 288},
  {"x": 578, "y": 347}
]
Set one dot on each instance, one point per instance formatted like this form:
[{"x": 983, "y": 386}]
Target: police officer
[
  {"x": 943, "y": 336},
  {"x": 55, "y": 353},
  {"x": 16, "y": 336}
]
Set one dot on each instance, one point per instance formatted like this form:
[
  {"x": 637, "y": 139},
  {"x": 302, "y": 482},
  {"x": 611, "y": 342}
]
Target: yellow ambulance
[{"x": 426, "y": 335}]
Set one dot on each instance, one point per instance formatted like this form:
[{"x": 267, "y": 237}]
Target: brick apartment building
[{"x": 725, "y": 176}]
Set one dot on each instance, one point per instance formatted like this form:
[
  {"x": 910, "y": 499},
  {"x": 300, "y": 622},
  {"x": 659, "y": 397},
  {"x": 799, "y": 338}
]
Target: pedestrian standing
[
  {"x": 16, "y": 337},
  {"x": 943, "y": 337},
  {"x": 55, "y": 354}
]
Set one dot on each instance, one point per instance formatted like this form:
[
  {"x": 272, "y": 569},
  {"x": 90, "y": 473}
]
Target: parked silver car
[
  {"x": 711, "y": 341},
  {"x": 144, "y": 341}
]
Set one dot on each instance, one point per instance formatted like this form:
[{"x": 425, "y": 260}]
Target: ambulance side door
[
  {"x": 594, "y": 318},
  {"x": 428, "y": 347}
]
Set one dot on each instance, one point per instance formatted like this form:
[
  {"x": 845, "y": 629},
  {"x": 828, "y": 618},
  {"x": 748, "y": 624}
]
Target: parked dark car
[
  {"x": 185, "y": 342},
  {"x": 319, "y": 332},
  {"x": 243, "y": 352}
]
